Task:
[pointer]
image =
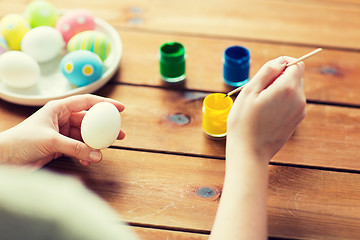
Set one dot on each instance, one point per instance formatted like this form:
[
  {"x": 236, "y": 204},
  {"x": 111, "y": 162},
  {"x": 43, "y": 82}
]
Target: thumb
[
  {"x": 267, "y": 74},
  {"x": 77, "y": 149}
]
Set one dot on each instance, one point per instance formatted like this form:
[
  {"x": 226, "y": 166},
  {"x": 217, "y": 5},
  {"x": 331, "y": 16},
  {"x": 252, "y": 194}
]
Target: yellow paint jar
[{"x": 216, "y": 109}]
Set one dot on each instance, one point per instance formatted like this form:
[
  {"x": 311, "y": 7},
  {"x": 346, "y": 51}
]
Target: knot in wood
[
  {"x": 208, "y": 192},
  {"x": 330, "y": 71},
  {"x": 180, "y": 118}
]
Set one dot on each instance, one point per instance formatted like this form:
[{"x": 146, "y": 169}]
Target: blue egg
[{"x": 82, "y": 67}]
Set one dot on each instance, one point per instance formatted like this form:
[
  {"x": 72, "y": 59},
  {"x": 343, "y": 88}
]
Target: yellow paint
[{"x": 216, "y": 109}]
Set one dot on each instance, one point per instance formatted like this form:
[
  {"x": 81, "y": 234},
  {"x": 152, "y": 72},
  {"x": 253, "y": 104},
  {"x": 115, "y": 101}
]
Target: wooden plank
[
  {"x": 171, "y": 121},
  {"x": 295, "y": 22},
  {"x": 156, "y": 189},
  {"x": 156, "y": 234},
  {"x": 331, "y": 76},
  {"x": 338, "y": 3},
  {"x": 163, "y": 190}
]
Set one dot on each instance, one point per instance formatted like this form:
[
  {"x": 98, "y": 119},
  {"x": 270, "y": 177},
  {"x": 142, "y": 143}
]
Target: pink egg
[{"x": 73, "y": 22}]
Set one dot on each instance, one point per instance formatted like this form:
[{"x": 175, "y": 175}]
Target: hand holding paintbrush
[{"x": 288, "y": 65}]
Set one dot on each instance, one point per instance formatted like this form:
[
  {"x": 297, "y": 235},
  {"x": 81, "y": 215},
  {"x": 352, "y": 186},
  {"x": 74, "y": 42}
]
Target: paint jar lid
[{"x": 236, "y": 65}]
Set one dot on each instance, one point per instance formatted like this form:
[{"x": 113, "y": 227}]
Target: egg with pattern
[
  {"x": 81, "y": 67},
  {"x": 75, "y": 21},
  {"x": 3, "y": 45},
  {"x": 93, "y": 41},
  {"x": 41, "y": 13},
  {"x": 13, "y": 28}
]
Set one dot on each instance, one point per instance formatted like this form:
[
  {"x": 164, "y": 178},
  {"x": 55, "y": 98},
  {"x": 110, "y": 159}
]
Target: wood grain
[
  {"x": 164, "y": 190},
  {"x": 156, "y": 234},
  {"x": 166, "y": 176},
  {"x": 328, "y": 137},
  {"x": 330, "y": 76},
  {"x": 296, "y": 22},
  {"x": 171, "y": 121}
]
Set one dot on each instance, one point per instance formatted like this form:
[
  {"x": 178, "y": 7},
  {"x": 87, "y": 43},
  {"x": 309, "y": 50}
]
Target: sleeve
[{"x": 44, "y": 205}]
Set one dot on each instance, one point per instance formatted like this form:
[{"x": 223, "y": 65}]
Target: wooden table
[{"x": 166, "y": 177}]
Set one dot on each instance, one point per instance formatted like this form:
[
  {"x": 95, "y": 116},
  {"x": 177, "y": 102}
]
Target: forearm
[
  {"x": 7, "y": 147},
  {"x": 14, "y": 147},
  {"x": 242, "y": 212},
  {"x": 5, "y": 151}
]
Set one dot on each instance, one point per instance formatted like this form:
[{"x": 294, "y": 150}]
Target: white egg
[
  {"x": 43, "y": 43},
  {"x": 101, "y": 125},
  {"x": 18, "y": 69}
]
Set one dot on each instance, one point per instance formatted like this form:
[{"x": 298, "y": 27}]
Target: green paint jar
[{"x": 172, "y": 62}]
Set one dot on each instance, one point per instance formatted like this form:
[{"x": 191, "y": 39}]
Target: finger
[
  {"x": 84, "y": 102},
  {"x": 84, "y": 163},
  {"x": 77, "y": 149},
  {"x": 75, "y": 133},
  {"x": 76, "y": 118},
  {"x": 267, "y": 74},
  {"x": 291, "y": 76},
  {"x": 121, "y": 135}
]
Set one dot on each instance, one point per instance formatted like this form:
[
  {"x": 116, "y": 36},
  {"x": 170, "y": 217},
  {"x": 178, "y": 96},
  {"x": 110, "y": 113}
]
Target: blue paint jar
[{"x": 236, "y": 66}]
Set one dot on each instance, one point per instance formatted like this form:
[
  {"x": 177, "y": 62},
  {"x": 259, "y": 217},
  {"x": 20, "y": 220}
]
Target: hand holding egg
[
  {"x": 61, "y": 123},
  {"x": 101, "y": 125}
]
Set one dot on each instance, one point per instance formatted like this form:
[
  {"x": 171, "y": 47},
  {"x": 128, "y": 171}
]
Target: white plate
[{"x": 53, "y": 85}]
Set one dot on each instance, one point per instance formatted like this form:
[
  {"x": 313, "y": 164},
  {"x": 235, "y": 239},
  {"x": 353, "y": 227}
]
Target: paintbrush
[{"x": 287, "y": 65}]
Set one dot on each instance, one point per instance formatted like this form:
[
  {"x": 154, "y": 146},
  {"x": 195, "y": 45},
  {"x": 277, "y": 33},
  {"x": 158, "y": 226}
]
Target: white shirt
[{"x": 43, "y": 205}]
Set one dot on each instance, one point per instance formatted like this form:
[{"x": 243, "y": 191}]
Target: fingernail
[
  {"x": 282, "y": 60},
  {"x": 95, "y": 156}
]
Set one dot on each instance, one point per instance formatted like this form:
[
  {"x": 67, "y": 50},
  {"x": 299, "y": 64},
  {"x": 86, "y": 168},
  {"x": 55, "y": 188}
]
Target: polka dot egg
[
  {"x": 41, "y": 13},
  {"x": 3, "y": 45},
  {"x": 93, "y": 41},
  {"x": 13, "y": 28},
  {"x": 73, "y": 22},
  {"x": 82, "y": 67}
]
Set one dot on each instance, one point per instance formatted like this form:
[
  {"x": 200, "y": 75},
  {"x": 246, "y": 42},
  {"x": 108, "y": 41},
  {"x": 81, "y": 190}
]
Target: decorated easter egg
[
  {"x": 93, "y": 41},
  {"x": 75, "y": 21},
  {"x": 41, "y": 13},
  {"x": 101, "y": 125},
  {"x": 18, "y": 69},
  {"x": 3, "y": 45},
  {"x": 42, "y": 43},
  {"x": 82, "y": 67},
  {"x": 13, "y": 28}
]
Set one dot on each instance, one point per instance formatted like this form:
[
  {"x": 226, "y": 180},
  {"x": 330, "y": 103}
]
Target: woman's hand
[
  {"x": 262, "y": 119},
  {"x": 268, "y": 109},
  {"x": 52, "y": 131}
]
